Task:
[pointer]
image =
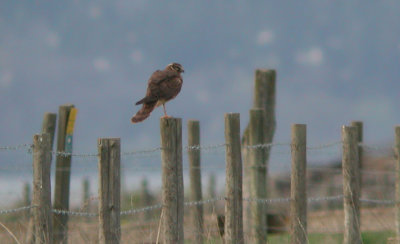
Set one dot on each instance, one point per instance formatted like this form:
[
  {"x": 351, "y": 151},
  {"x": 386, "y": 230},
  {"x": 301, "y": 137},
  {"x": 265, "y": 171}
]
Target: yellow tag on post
[{"x": 70, "y": 129}]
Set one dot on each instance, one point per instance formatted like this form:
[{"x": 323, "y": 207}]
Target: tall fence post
[
  {"x": 397, "y": 166},
  {"x": 41, "y": 198},
  {"x": 359, "y": 126},
  {"x": 258, "y": 176},
  {"x": 109, "y": 190},
  {"x": 172, "y": 180},
  {"x": 264, "y": 96},
  {"x": 298, "y": 205},
  {"x": 62, "y": 179},
  {"x": 195, "y": 178},
  {"x": 233, "y": 184},
  {"x": 351, "y": 187}
]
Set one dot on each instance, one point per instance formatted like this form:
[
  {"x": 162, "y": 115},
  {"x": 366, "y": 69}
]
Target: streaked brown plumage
[{"x": 162, "y": 86}]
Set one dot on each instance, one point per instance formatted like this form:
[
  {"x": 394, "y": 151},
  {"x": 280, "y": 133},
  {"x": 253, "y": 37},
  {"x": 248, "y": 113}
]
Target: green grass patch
[{"x": 369, "y": 237}]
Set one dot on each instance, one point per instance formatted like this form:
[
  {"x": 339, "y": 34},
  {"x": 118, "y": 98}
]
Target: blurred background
[{"x": 336, "y": 61}]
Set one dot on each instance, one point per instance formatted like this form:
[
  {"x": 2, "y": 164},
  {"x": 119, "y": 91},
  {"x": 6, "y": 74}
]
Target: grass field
[{"x": 368, "y": 237}]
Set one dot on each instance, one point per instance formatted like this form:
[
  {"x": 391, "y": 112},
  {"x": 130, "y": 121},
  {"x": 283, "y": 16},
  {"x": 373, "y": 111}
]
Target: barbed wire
[
  {"x": 206, "y": 147},
  {"x": 15, "y": 210},
  {"x": 16, "y": 147},
  {"x": 379, "y": 202},
  {"x": 140, "y": 210},
  {"x": 202, "y": 202},
  {"x": 72, "y": 213},
  {"x": 326, "y": 145},
  {"x": 324, "y": 199},
  {"x": 196, "y": 147}
]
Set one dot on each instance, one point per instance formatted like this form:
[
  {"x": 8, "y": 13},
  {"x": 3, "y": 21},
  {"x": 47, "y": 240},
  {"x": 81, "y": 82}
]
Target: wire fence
[{"x": 149, "y": 226}]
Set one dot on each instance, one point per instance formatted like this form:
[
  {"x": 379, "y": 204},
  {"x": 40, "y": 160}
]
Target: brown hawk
[{"x": 162, "y": 86}]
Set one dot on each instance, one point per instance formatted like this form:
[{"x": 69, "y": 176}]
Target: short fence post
[
  {"x": 48, "y": 126},
  {"x": 298, "y": 205},
  {"x": 195, "y": 178},
  {"x": 351, "y": 187},
  {"x": 62, "y": 178},
  {"x": 41, "y": 198},
  {"x": 172, "y": 180},
  {"x": 86, "y": 201},
  {"x": 27, "y": 197},
  {"x": 233, "y": 184},
  {"x": 258, "y": 177},
  {"x": 109, "y": 190},
  {"x": 145, "y": 197},
  {"x": 397, "y": 166}
]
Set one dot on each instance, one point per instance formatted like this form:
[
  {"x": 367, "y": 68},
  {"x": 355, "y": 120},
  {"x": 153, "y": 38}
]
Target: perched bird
[{"x": 162, "y": 86}]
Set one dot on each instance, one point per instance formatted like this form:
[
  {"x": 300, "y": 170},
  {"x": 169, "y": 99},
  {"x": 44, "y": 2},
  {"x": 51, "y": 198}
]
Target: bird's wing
[{"x": 163, "y": 85}]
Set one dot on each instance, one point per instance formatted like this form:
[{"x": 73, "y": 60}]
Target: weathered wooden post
[
  {"x": 352, "y": 234},
  {"x": 86, "y": 201},
  {"x": 298, "y": 205},
  {"x": 109, "y": 190},
  {"x": 264, "y": 97},
  {"x": 41, "y": 198},
  {"x": 397, "y": 167},
  {"x": 172, "y": 180},
  {"x": 258, "y": 176},
  {"x": 195, "y": 179},
  {"x": 66, "y": 119},
  {"x": 233, "y": 184},
  {"x": 49, "y": 127},
  {"x": 145, "y": 198},
  {"x": 359, "y": 126},
  {"x": 86, "y": 194}
]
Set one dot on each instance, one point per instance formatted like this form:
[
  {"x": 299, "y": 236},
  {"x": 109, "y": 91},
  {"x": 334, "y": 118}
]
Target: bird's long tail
[{"x": 144, "y": 112}]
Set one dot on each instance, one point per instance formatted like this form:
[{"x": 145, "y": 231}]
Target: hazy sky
[{"x": 336, "y": 61}]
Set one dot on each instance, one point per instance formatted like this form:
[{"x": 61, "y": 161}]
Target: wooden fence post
[
  {"x": 172, "y": 180},
  {"x": 62, "y": 179},
  {"x": 264, "y": 96},
  {"x": 351, "y": 187},
  {"x": 145, "y": 198},
  {"x": 42, "y": 189},
  {"x": 27, "y": 194},
  {"x": 298, "y": 205},
  {"x": 359, "y": 126},
  {"x": 109, "y": 190},
  {"x": 233, "y": 184},
  {"x": 397, "y": 167},
  {"x": 86, "y": 201},
  {"x": 195, "y": 179},
  {"x": 258, "y": 177},
  {"x": 48, "y": 126}
]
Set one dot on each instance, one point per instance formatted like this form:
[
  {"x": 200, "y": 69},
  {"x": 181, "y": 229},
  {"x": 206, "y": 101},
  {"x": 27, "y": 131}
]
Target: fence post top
[
  {"x": 299, "y": 125},
  {"x": 169, "y": 119},
  {"x": 193, "y": 121},
  {"x": 349, "y": 128},
  {"x": 232, "y": 115},
  {"x": 42, "y": 137},
  {"x": 257, "y": 110},
  {"x": 266, "y": 71}
]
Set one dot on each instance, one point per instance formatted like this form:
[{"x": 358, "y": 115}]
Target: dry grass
[{"x": 135, "y": 230}]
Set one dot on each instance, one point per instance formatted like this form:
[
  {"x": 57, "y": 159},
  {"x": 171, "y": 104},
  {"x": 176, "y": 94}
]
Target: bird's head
[{"x": 175, "y": 67}]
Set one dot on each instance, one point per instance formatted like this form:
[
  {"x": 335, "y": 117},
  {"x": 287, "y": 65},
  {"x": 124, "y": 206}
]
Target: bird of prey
[{"x": 162, "y": 86}]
